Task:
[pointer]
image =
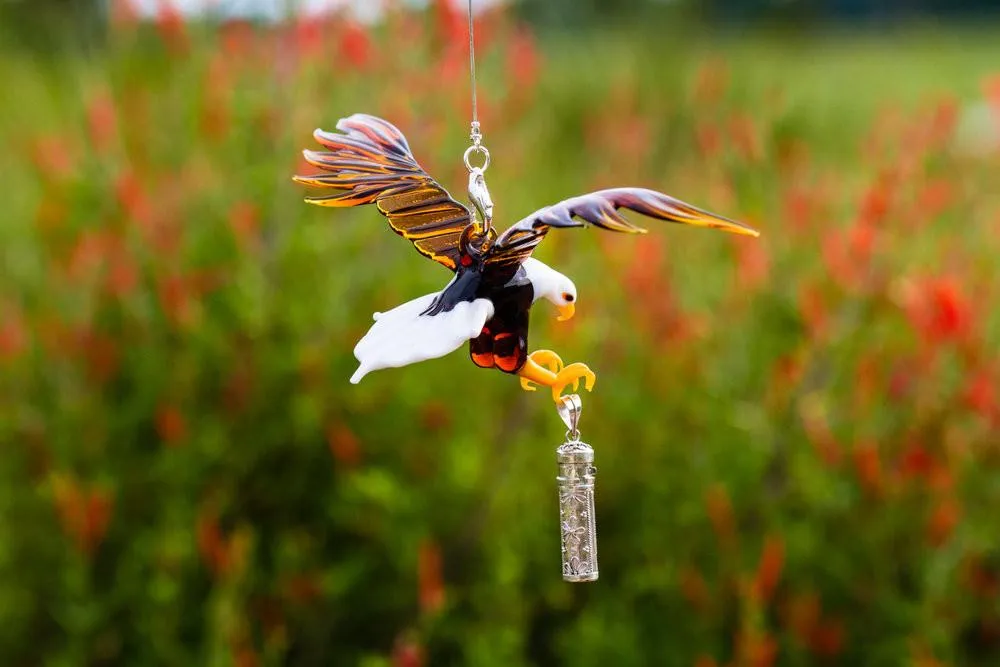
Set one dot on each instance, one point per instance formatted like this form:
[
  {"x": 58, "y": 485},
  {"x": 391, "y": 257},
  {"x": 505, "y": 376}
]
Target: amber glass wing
[
  {"x": 601, "y": 210},
  {"x": 370, "y": 162}
]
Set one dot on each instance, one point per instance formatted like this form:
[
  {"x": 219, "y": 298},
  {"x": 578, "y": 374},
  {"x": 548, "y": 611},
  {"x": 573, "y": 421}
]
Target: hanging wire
[{"x": 476, "y": 135}]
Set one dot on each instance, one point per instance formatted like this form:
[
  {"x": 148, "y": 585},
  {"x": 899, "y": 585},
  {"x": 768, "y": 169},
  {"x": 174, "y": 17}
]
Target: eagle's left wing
[
  {"x": 601, "y": 209},
  {"x": 371, "y": 162}
]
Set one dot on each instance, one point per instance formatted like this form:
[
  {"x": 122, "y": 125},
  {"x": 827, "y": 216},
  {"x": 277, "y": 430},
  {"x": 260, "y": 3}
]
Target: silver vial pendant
[{"x": 577, "y": 519}]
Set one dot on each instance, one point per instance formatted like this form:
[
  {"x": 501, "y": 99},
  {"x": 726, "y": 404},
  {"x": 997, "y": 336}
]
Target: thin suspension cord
[{"x": 472, "y": 76}]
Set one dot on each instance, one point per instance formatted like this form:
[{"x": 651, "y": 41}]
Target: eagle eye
[{"x": 567, "y": 297}]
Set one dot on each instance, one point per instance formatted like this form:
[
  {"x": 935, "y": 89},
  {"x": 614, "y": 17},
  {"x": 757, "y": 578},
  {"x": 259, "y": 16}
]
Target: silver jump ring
[{"x": 476, "y": 149}]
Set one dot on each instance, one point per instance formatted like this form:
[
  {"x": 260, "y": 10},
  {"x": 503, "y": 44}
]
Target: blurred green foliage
[{"x": 795, "y": 436}]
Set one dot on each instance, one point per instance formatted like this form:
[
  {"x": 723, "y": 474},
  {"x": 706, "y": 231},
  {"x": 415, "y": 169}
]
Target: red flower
[
  {"x": 915, "y": 462},
  {"x": 307, "y": 36},
  {"x": 452, "y": 25},
  {"x": 756, "y": 649},
  {"x": 937, "y": 308},
  {"x": 950, "y": 312},
  {"x": 430, "y": 586},
  {"x": 344, "y": 444},
  {"x": 355, "y": 46},
  {"x": 171, "y": 425},
  {"x": 720, "y": 512},
  {"x": 407, "y": 653},
  {"x": 694, "y": 589},
  {"x": 244, "y": 222},
  {"x": 943, "y": 520},
  {"x": 817, "y": 428},
  {"x": 13, "y": 333},
  {"x": 84, "y": 514},
  {"x": 772, "y": 560},
  {"x": 211, "y": 543},
  {"x": 170, "y": 24},
  {"x": 523, "y": 60},
  {"x": 827, "y": 639},
  {"x": 980, "y": 392}
]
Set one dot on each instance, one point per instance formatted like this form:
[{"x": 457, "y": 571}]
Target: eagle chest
[{"x": 503, "y": 342}]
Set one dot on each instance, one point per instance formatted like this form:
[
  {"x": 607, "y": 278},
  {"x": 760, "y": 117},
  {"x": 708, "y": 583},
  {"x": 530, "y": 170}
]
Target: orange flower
[
  {"x": 991, "y": 90},
  {"x": 102, "y": 122},
  {"x": 756, "y": 649},
  {"x": 711, "y": 81},
  {"x": 746, "y": 137},
  {"x": 869, "y": 467},
  {"x": 817, "y": 428},
  {"x": 801, "y": 615},
  {"x": 753, "y": 264},
  {"x": 934, "y": 197},
  {"x": 709, "y": 139},
  {"x": 122, "y": 14},
  {"x": 100, "y": 353}
]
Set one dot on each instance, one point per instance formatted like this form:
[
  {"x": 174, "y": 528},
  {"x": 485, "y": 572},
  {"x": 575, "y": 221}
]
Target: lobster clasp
[{"x": 479, "y": 194}]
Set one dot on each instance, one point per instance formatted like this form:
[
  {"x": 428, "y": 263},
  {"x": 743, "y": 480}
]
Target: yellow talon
[
  {"x": 545, "y": 368},
  {"x": 572, "y": 374},
  {"x": 547, "y": 358}
]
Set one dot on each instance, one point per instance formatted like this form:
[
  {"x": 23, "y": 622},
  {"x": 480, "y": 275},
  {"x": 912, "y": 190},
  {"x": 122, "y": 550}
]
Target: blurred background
[{"x": 796, "y": 436}]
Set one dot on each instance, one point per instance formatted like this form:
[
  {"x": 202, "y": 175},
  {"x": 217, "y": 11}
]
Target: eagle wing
[
  {"x": 370, "y": 162},
  {"x": 601, "y": 209}
]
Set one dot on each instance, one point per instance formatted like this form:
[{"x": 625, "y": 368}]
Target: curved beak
[{"x": 566, "y": 312}]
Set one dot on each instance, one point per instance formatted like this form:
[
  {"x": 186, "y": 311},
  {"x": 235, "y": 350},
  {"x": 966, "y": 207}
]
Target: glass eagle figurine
[{"x": 496, "y": 280}]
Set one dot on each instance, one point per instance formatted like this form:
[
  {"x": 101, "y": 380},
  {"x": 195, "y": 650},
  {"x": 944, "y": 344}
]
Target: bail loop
[{"x": 569, "y": 409}]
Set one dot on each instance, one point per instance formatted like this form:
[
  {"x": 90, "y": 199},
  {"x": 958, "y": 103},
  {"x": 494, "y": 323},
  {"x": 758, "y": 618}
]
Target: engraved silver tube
[{"x": 576, "y": 510}]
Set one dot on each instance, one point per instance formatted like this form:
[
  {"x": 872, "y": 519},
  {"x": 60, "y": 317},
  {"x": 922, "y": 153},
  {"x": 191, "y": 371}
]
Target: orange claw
[{"x": 555, "y": 376}]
